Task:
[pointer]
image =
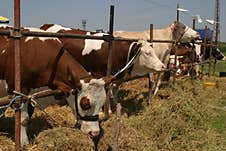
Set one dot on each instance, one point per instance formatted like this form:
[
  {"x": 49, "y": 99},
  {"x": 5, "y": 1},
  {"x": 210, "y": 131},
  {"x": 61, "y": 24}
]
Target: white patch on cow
[
  {"x": 95, "y": 92},
  {"x": 40, "y": 38},
  {"x": 55, "y": 28},
  {"x": 120, "y": 31},
  {"x": 3, "y": 51},
  {"x": 91, "y": 44},
  {"x": 189, "y": 35},
  {"x": 5, "y": 26}
]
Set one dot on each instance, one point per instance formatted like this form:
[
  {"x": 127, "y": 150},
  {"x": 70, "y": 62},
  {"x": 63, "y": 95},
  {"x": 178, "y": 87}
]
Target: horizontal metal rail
[
  {"x": 76, "y": 36},
  {"x": 41, "y": 94},
  {"x": 79, "y": 36}
]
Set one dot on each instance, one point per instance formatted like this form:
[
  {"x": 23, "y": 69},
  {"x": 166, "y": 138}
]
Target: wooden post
[{"x": 17, "y": 71}]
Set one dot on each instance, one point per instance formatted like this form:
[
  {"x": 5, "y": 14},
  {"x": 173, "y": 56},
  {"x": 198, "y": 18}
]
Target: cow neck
[
  {"x": 131, "y": 53},
  {"x": 74, "y": 68}
]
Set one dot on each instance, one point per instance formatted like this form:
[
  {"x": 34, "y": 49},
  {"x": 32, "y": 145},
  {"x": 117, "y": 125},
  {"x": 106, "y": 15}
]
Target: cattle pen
[{"x": 17, "y": 33}]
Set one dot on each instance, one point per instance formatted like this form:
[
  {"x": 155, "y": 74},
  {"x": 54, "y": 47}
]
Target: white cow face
[
  {"x": 187, "y": 33},
  {"x": 147, "y": 61},
  {"x": 90, "y": 99}
]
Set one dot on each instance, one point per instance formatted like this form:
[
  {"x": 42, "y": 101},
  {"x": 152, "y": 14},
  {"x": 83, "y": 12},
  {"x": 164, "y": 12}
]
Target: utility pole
[
  {"x": 84, "y": 24},
  {"x": 217, "y": 21}
]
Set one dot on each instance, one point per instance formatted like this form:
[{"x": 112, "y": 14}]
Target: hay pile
[
  {"x": 128, "y": 137},
  {"x": 62, "y": 139},
  {"x": 6, "y": 144},
  {"x": 191, "y": 117},
  {"x": 58, "y": 116},
  {"x": 184, "y": 116}
]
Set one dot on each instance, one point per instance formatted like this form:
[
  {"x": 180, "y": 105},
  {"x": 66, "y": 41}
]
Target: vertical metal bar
[
  {"x": 109, "y": 65},
  {"x": 193, "y": 52},
  {"x": 17, "y": 71},
  {"x": 117, "y": 130},
  {"x": 111, "y": 24},
  {"x": 151, "y": 32},
  {"x": 214, "y": 62},
  {"x": 150, "y": 84},
  {"x": 193, "y": 23},
  {"x": 210, "y": 60},
  {"x": 175, "y": 64},
  {"x": 175, "y": 59},
  {"x": 204, "y": 49},
  {"x": 177, "y": 13}
]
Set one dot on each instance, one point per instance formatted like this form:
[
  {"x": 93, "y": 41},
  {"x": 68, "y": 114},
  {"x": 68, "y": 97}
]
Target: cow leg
[
  {"x": 150, "y": 85},
  {"x": 157, "y": 84}
]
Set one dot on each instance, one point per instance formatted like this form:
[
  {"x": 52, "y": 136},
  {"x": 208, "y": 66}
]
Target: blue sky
[{"x": 129, "y": 14}]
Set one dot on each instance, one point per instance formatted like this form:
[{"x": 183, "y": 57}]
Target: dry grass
[{"x": 184, "y": 116}]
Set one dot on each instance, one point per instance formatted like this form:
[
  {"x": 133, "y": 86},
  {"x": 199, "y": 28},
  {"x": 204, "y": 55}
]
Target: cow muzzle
[{"x": 92, "y": 128}]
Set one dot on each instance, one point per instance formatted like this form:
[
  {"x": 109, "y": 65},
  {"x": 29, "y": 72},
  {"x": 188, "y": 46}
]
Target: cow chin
[{"x": 91, "y": 128}]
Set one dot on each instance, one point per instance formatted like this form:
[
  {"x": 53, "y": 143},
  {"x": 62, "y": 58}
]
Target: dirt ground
[{"x": 189, "y": 115}]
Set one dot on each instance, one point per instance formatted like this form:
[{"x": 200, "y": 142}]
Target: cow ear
[
  {"x": 172, "y": 26},
  {"x": 79, "y": 86},
  {"x": 70, "y": 77},
  {"x": 109, "y": 79}
]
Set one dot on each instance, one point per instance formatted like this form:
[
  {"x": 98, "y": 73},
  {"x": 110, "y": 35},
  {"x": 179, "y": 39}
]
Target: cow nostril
[
  {"x": 93, "y": 134},
  {"x": 163, "y": 67}
]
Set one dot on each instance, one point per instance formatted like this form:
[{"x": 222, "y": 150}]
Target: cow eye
[{"x": 85, "y": 103}]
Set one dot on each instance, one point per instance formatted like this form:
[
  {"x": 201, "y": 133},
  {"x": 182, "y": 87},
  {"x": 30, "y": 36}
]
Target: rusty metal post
[
  {"x": 193, "y": 52},
  {"x": 151, "y": 32},
  {"x": 17, "y": 71},
  {"x": 210, "y": 61},
  {"x": 193, "y": 23},
  {"x": 177, "y": 13},
  {"x": 204, "y": 49},
  {"x": 109, "y": 65},
  {"x": 150, "y": 84},
  {"x": 111, "y": 24}
]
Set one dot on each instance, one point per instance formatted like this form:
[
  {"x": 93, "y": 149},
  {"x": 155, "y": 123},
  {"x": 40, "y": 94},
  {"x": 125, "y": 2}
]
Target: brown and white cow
[
  {"x": 39, "y": 64},
  {"x": 177, "y": 31},
  {"x": 92, "y": 54}
]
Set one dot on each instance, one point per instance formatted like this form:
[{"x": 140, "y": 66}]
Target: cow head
[
  {"x": 147, "y": 61},
  {"x": 217, "y": 54},
  {"x": 90, "y": 98},
  {"x": 183, "y": 33}
]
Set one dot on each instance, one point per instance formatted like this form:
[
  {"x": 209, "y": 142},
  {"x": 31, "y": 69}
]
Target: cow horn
[
  {"x": 142, "y": 42},
  {"x": 109, "y": 79}
]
